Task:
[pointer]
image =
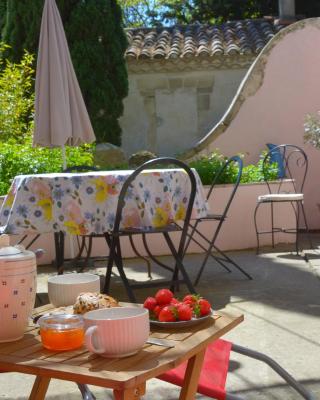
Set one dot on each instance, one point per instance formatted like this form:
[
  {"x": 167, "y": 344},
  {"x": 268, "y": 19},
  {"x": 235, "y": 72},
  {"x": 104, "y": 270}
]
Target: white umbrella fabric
[{"x": 61, "y": 117}]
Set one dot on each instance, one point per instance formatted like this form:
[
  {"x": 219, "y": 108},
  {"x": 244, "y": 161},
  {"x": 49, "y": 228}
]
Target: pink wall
[{"x": 288, "y": 71}]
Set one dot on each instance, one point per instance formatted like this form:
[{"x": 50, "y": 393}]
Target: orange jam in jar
[{"x": 61, "y": 331}]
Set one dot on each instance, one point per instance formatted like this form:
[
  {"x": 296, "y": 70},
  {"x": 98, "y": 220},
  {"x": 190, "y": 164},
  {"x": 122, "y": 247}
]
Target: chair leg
[
  {"x": 229, "y": 260},
  {"x": 217, "y": 259},
  {"x": 190, "y": 236},
  {"x": 295, "y": 207},
  {"x": 272, "y": 225},
  {"x": 115, "y": 256},
  {"x": 152, "y": 257},
  {"x": 306, "y": 224},
  {"x": 179, "y": 265},
  {"x": 89, "y": 250},
  {"x": 297, "y": 228},
  {"x": 230, "y": 396},
  {"x": 32, "y": 241},
  {"x": 205, "y": 249},
  {"x": 136, "y": 252},
  {"x": 209, "y": 251},
  {"x": 111, "y": 257},
  {"x": 119, "y": 264},
  {"x": 277, "y": 368},
  {"x": 85, "y": 392},
  {"x": 256, "y": 227}
]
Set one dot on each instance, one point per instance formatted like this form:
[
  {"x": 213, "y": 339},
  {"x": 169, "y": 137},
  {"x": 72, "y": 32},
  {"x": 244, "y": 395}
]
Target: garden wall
[
  {"x": 281, "y": 87},
  {"x": 237, "y": 233}
]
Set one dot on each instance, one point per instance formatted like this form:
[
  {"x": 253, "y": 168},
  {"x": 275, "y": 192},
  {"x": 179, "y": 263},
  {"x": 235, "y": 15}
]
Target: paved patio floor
[{"x": 281, "y": 307}]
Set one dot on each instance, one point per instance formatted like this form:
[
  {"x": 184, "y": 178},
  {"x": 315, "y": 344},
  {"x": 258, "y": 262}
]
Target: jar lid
[
  {"x": 61, "y": 321},
  {"x": 13, "y": 252}
]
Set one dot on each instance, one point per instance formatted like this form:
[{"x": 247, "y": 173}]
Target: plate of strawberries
[{"x": 167, "y": 311}]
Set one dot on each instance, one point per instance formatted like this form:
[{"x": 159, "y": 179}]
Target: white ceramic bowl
[{"x": 63, "y": 290}]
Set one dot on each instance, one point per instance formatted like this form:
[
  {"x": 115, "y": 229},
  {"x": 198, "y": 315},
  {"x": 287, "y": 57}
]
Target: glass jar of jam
[{"x": 61, "y": 331}]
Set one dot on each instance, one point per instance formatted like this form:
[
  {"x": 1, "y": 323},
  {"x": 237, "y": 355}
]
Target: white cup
[{"x": 117, "y": 331}]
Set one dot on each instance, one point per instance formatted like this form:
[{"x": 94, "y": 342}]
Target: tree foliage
[
  {"x": 16, "y": 98},
  {"x": 97, "y": 44},
  {"x": 169, "y": 12}
]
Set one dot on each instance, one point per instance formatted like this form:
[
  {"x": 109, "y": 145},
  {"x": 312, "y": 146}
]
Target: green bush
[
  {"x": 208, "y": 166},
  {"x": 16, "y": 98},
  {"x": 20, "y": 159}
]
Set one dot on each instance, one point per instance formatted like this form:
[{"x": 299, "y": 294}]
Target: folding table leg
[
  {"x": 130, "y": 394},
  {"x": 39, "y": 388},
  {"x": 59, "y": 246},
  {"x": 191, "y": 378}
]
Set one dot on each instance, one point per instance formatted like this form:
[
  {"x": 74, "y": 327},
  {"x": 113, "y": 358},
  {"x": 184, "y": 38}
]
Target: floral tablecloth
[{"x": 85, "y": 203}]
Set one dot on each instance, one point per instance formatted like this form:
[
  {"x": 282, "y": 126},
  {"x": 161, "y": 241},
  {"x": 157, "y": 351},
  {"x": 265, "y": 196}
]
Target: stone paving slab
[{"x": 281, "y": 307}]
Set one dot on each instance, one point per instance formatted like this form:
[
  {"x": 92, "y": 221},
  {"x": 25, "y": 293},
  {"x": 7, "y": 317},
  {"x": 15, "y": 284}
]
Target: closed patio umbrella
[{"x": 61, "y": 117}]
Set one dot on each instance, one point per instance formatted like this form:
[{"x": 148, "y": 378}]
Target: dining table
[
  {"x": 126, "y": 376},
  {"x": 85, "y": 203}
]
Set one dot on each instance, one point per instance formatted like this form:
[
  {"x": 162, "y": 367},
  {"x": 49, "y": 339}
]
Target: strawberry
[
  {"x": 150, "y": 303},
  {"x": 184, "y": 312},
  {"x": 204, "y": 307},
  {"x": 156, "y": 311},
  {"x": 191, "y": 299},
  {"x": 174, "y": 301},
  {"x": 164, "y": 296},
  {"x": 168, "y": 314}
]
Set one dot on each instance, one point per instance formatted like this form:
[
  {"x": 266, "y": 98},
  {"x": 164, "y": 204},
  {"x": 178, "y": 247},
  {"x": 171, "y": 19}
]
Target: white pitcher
[{"x": 18, "y": 280}]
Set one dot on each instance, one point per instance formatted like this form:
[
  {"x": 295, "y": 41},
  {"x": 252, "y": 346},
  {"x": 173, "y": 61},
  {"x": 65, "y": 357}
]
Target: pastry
[{"x": 92, "y": 301}]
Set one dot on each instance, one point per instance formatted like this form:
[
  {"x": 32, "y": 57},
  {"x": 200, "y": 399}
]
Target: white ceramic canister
[{"x": 18, "y": 280}]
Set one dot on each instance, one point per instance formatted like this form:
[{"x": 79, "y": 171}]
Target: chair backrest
[
  {"x": 166, "y": 162},
  {"x": 81, "y": 168},
  {"x": 294, "y": 166},
  {"x": 234, "y": 161}
]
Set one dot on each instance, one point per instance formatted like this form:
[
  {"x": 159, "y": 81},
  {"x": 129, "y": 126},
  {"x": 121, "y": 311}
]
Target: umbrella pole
[
  {"x": 64, "y": 157},
  {"x": 64, "y": 163}
]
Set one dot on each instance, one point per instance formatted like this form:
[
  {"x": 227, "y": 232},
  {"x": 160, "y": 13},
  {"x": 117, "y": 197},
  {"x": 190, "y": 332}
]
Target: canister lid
[{"x": 11, "y": 253}]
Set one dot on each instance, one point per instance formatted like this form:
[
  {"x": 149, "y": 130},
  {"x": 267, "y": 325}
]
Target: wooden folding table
[{"x": 126, "y": 376}]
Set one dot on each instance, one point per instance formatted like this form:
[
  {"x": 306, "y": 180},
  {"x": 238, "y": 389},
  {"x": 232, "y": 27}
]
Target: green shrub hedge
[
  {"x": 17, "y": 159},
  {"x": 208, "y": 166}
]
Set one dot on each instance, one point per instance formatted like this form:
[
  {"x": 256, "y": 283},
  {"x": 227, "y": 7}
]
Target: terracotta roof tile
[{"x": 231, "y": 38}]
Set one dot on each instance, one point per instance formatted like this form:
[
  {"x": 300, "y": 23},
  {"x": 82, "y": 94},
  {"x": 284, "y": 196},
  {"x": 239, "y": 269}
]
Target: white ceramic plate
[{"x": 181, "y": 324}]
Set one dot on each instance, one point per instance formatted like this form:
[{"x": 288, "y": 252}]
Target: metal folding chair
[
  {"x": 295, "y": 167},
  {"x": 217, "y": 220},
  {"x": 113, "y": 237},
  {"x": 215, "y": 369}
]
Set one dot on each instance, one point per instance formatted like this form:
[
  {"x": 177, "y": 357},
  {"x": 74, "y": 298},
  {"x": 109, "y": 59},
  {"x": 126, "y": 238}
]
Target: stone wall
[{"x": 168, "y": 112}]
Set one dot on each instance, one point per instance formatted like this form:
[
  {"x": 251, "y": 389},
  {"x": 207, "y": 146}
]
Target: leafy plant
[
  {"x": 208, "y": 167},
  {"x": 16, "y": 98},
  {"x": 17, "y": 159}
]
